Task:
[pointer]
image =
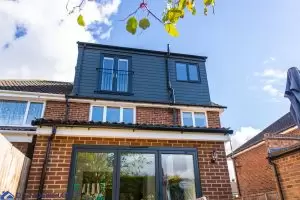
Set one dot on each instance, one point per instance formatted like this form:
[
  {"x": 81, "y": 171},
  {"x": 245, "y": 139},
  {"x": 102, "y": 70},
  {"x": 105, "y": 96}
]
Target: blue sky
[
  {"x": 249, "y": 45},
  {"x": 242, "y": 40}
]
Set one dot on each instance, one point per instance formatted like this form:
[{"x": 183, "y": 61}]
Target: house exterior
[
  {"x": 253, "y": 161},
  {"x": 137, "y": 124}
]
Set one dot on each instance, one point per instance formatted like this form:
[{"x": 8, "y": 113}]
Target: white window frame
[
  {"x": 193, "y": 116},
  {"x": 26, "y": 111},
  {"x": 115, "y": 106}
]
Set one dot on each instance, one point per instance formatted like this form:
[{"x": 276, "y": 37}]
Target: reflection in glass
[
  {"x": 178, "y": 177},
  {"x": 93, "y": 176},
  {"x": 181, "y": 72},
  {"x": 107, "y": 74},
  {"x": 187, "y": 119},
  {"x": 97, "y": 114},
  {"x": 193, "y": 73},
  {"x": 137, "y": 176},
  {"x": 113, "y": 114},
  {"x": 128, "y": 115},
  {"x": 200, "y": 119}
]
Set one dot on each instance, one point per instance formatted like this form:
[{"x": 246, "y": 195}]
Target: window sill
[
  {"x": 189, "y": 81},
  {"x": 113, "y": 92}
]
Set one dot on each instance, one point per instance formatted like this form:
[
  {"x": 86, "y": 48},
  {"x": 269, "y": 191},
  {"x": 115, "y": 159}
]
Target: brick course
[
  {"x": 288, "y": 167},
  {"x": 214, "y": 176},
  {"x": 213, "y": 119},
  {"x": 254, "y": 174},
  {"x": 22, "y": 146},
  {"x": 150, "y": 115}
]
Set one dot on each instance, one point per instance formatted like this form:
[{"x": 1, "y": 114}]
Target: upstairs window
[
  {"x": 187, "y": 72},
  {"x": 112, "y": 114},
  {"x": 195, "y": 119},
  {"x": 115, "y": 75},
  {"x": 19, "y": 113}
]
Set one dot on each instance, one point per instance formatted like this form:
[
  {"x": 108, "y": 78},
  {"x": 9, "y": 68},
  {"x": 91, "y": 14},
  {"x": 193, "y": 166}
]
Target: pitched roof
[
  {"x": 282, "y": 124},
  {"x": 40, "y": 86}
]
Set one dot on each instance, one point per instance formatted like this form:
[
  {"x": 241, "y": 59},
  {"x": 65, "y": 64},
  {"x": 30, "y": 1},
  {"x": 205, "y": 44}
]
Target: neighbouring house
[
  {"x": 255, "y": 173},
  {"x": 136, "y": 124},
  {"x": 22, "y": 101}
]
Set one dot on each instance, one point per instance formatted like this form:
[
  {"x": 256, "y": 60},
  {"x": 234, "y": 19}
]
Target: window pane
[
  {"x": 200, "y": 119},
  {"x": 122, "y": 77},
  {"x": 178, "y": 177},
  {"x": 34, "y": 112},
  {"x": 97, "y": 114},
  {"x": 193, "y": 73},
  {"x": 113, "y": 114},
  {"x": 12, "y": 112},
  {"x": 107, "y": 74},
  {"x": 137, "y": 176},
  {"x": 187, "y": 119},
  {"x": 128, "y": 115},
  {"x": 93, "y": 176},
  {"x": 181, "y": 72}
]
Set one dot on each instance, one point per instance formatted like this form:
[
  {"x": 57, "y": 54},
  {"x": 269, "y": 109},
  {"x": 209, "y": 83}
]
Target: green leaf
[
  {"x": 194, "y": 12},
  {"x": 132, "y": 24},
  {"x": 182, "y": 4},
  {"x": 144, "y": 23},
  {"x": 80, "y": 20},
  {"x": 171, "y": 29},
  {"x": 209, "y": 2},
  {"x": 205, "y": 10},
  {"x": 174, "y": 14}
]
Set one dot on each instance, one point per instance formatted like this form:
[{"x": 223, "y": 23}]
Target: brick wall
[
  {"x": 214, "y": 176},
  {"x": 56, "y": 110},
  {"x": 144, "y": 115},
  {"x": 22, "y": 146},
  {"x": 289, "y": 172},
  {"x": 254, "y": 174},
  {"x": 148, "y": 115},
  {"x": 213, "y": 119},
  {"x": 281, "y": 142}
]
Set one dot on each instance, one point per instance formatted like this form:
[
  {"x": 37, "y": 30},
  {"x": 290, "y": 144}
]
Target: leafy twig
[{"x": 133, "y": 13}]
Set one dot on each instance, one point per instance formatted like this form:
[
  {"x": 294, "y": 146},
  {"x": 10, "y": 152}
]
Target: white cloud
[
  {"x": 240, "y": 137},
  {"x": 273, "y": 81},
  {"x": 49, "y": 50},
  {"x": 272, "y": 91},
  {"x": 272, "y": 73},
  {"x": 269, "y": 60}
]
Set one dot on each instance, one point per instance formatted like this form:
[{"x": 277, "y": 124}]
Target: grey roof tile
[
  {"x": 40, "y": 86},
  {"x": 283, "y": 123}
]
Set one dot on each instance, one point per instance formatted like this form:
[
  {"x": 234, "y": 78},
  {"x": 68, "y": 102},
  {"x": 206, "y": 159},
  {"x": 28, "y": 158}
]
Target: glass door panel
[
  {"x": 93, "y": 176},
  {"x": 178, "y": 177},
  {"x": 137, "y": 176}
]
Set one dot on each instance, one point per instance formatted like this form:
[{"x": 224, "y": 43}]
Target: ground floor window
[{"x": 124, "y": 173}]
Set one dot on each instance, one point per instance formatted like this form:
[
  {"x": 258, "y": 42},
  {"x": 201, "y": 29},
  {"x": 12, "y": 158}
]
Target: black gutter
[
  {"x": 170, "y": 89},
  {"x": 139, "y": 101},
  {"x": 46, "y": 160},
  {"x": 276, "y": 177},
  {"x": 91, "y": 124}
]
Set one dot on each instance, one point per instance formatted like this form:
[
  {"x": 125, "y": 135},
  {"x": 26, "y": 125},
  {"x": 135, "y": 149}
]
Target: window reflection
[
  {"x": 93, "y": 176},
  {"x": 137, "y": 176},
  {"x": 178, "y": 177}
]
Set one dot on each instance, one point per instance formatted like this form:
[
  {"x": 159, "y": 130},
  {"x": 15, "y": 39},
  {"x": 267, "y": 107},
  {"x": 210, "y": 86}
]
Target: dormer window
[
  {"x": 187, "y": 72},
  {"x": 115, "y": 74}
]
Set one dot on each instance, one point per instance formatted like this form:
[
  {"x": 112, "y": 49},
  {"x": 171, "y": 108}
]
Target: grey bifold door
[{"x": 127, "y": 173}]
